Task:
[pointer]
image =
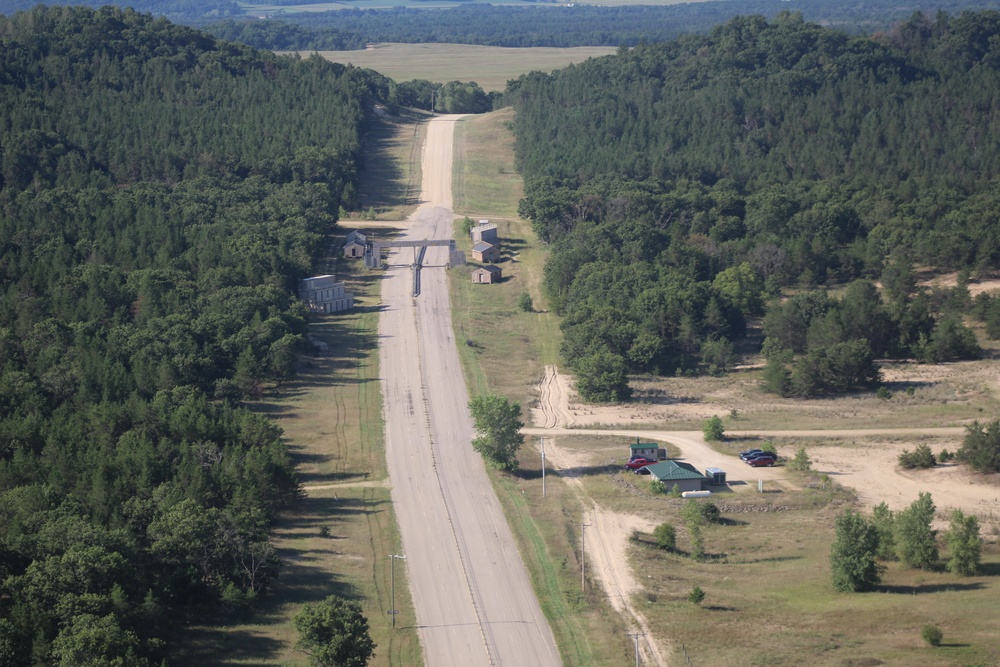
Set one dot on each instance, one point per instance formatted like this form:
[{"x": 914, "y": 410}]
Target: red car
[
  {"x": 761, "y": 461},
  {"x": 638, "y": 462}
]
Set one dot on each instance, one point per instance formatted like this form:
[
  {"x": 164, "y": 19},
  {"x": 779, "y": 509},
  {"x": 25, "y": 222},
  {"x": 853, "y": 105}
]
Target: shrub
[
  {"x": 883, "y": 393},
  {"x": 705, "y": 512},
  {"x": 712, "y": 429},
  {"x": 769, "y": 447},
  {"x": 945, "y": 456},
  {"x": 922, "y": 457},
  {"x": 525, "y": 303},
  {"x": 697, "y": 596},
  {"x": 981, "y": 447},
  {"x": 932, "y": 635},
  {"x": 657, "y": 488},
  {"x": 801, "y": 461},
  {"x": 675, "y": 490},
  {"x": 666, "y": 536}
]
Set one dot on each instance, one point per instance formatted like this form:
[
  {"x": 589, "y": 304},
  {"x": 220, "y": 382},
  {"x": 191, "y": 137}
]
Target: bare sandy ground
[{"x": 473, "y": 598}]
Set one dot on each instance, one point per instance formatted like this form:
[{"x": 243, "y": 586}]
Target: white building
[{"x": 323, "y": 294}]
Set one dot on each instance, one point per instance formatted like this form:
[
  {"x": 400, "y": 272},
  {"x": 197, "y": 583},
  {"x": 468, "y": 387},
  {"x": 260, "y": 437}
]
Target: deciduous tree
[
  {"x": 852, "y": 556},
  {"x": 965, "y": 546},
  {"x": 334, "y": 633},
  {"x": 916, "y": 541},
  {"x": 498, "y": 424}
]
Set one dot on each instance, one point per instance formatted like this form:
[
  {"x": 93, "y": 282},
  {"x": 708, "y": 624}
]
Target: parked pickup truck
[{"x": 638, "y": 462}]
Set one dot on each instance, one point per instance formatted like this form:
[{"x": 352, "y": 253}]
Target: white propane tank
[{"x": 696, "y": 494}]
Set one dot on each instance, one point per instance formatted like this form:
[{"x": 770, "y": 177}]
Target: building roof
[
  {"x": 673, "y": 470},
  {"x": 644, "y": 445},
  {"x": 482, "y": 246},
  {"x": 318, "y": 282},
  {"x": 489, "y": 268}
]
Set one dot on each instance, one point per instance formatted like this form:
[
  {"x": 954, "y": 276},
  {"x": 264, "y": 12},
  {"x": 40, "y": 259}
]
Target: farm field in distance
[
  {"x": 489, "y": 66},
  {"x": 270, "y": 10}
]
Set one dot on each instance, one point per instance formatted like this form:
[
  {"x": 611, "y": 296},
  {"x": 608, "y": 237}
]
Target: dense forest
[
  {"x": 161, "y": 192},
  {"x": 536, "y": 24},
  {"x": 176, "y": 10},
  {"x": 684, "y": 184},
  {"x": 548, "y": 25}
]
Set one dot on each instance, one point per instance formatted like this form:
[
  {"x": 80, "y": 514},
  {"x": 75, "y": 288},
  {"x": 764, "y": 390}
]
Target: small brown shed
[
  {"x": 487, "y": 274},
  {"x": 353, "y": 250},
  {"x": 485, "y": 252}
]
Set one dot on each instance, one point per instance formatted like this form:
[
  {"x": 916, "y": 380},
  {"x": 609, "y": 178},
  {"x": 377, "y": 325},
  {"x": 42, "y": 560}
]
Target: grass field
[
  {"x": 489, "y": 66},
  {"x": 390, "y": 178},
  {"x": 266, "y": 9}
]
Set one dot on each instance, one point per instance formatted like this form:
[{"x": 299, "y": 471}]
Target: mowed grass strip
[
  {"x": 485, "y": 182},
  {"x": 390, "y": 183},
  {"x": 489, "y": 66}
]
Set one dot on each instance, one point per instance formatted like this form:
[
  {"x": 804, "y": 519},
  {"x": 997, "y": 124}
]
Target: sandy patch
[{"x": 873, "y": 471}]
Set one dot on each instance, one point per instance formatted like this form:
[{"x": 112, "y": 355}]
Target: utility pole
[
  {"x": 583, "y": 556},
  {"x": 542, "y": 440},
  {"x": 636, "y": 635},
  {"x": 392, "y": 584}
]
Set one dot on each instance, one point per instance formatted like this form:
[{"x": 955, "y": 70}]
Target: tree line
[
  {"x": 684, "y": 185},
  {"x": 559, "y": 26},
  {"x": 161, "y": 193}
]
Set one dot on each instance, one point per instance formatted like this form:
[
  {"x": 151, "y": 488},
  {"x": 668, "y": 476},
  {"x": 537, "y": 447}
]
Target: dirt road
[{"x": 473, "y": 598}]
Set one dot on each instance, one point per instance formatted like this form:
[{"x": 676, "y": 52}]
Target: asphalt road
[{"x": 473, "y": 598}]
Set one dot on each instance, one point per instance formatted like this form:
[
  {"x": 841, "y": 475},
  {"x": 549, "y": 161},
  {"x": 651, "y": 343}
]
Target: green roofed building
[
  {"x": 645, "y": 449},
  {"x": 683, "y": 475}
]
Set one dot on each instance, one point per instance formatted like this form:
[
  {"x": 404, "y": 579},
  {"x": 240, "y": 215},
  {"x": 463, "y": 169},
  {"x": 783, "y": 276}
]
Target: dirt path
[
  {"x": 607, "y": 548},
  {"x": 472, "y": 595}
]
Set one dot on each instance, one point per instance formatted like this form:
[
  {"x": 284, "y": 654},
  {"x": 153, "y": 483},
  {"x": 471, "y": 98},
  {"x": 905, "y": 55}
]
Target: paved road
[{"x": 473, "y": 597}]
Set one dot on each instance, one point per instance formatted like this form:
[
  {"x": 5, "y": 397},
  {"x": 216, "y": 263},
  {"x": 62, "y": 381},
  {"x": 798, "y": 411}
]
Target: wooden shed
[
  {"x": 649, "y": 450},
  {"x": 487, "y": 274},
  {"x": 354, "y": 250}
]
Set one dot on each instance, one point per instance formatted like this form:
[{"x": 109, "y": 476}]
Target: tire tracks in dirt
[{"x": 607, "y": 550}]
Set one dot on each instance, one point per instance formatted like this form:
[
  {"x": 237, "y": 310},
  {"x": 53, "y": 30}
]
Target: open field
[
  {"x": 767, "y": 578},
  {"x": 489, "y": 66},
  {"x": 265, "y": 9}
]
